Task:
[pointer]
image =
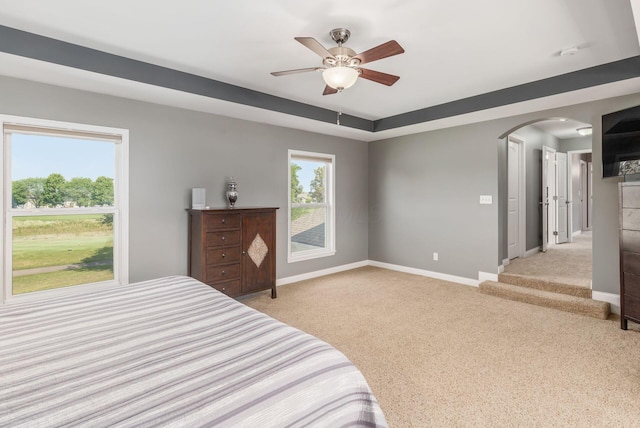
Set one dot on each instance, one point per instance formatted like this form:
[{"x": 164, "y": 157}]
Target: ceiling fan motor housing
[
  {"x": 340, "y": 35},
  {"x": 342, "y": 57}
]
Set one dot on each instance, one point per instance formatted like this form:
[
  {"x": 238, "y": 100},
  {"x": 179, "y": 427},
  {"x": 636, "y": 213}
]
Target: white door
[
  {"x": 590, "y": 197},
  {"x": 513, "y": 187},
  {"x": 562, "y": 201},
  {"x": 584, "y": 225},
  {"x": 548, "y": 192}
]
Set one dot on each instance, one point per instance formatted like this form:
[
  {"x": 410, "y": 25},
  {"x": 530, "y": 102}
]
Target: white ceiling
[
  {"x": 454, "y": 48},
  {"x": 562, "y": 129}
]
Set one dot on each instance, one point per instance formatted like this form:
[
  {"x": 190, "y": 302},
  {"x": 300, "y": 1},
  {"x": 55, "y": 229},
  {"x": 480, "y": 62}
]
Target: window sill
[
  {"x": 309, "y": 255},
  {"x": 61, "y": 292}
]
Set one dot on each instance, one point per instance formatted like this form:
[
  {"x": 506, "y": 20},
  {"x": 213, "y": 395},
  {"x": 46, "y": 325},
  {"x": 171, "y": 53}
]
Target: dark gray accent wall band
[
  {"x": 581, "y": 79},
  {"x": 29, "y": 45},
  {"x": 46, "y": 49}
]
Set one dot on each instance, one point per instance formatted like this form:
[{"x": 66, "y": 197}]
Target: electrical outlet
[
  {"x": 435, "y": 256},
  {"x": 486, "y": 199}
]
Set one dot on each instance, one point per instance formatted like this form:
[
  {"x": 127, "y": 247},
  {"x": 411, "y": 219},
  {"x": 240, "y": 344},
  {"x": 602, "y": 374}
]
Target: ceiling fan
[{"x": 341, "y": 65}]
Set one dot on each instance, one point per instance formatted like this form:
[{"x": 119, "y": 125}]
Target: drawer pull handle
[
  {"x": 224, "y": 289},
  {"x": 224, "y": 255},
  {"x": 224, "y": 238},
  {"x": 224, "y": 220},
  {"x": 224, "y": 272}
]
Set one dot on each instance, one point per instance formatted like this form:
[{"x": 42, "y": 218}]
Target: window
[
  {"x": 311, "y": 205},
  {"x": 65, "y": 206}
]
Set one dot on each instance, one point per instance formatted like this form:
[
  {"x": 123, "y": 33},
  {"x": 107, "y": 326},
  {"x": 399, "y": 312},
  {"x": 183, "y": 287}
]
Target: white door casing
[
  {"x": 571, "y": 206},
  {"x": 513, "y": 189},
  {"x": 548, "y": 192},
  {"x": 562, "y": 200},
  {"x": 584, "y": 225},
  {"x": 590, "y": 195}
]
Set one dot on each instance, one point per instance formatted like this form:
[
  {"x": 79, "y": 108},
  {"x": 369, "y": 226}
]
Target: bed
[{"x": 170, "y": 352}]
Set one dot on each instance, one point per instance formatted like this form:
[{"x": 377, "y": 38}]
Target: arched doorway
[{"x": 545, "y": 200}]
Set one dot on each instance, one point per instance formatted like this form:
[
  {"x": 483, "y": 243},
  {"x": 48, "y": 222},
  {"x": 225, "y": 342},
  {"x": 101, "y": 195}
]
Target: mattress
[{"x": 170, "y": 352}]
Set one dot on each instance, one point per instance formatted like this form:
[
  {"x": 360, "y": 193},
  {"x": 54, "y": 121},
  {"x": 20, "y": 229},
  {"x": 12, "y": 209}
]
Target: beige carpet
[
  {"x": 442, "y": 354},
  {"x": 566, "y": 263}
]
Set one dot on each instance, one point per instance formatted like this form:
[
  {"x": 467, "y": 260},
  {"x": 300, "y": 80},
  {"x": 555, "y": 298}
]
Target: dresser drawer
[
  {"x": 630, "y": 197},
  {"x": 222, "y": 273},
  {"x": 630, "y": 240},
  {"x": 223, "y": 238},
  {"x": 230, "y": 288},
  {"x": 631, "y": 306},
  {"x": 632, "y": 284},
  {"x": 222, "y": 221},
  {"x": 630, "y": 262},
  {"x": 217, "y": 256},
  {"x": 630, "y": 218}
]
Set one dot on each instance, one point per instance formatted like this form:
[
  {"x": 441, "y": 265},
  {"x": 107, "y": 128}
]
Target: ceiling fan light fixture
[
  {"x": 587, "y": 130},
  {"x": 340, "y": 77}
]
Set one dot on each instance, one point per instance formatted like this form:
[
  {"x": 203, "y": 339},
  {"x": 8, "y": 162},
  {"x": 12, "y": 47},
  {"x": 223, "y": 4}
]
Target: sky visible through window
[
  {"x": 38, "y": 156},
  {"x": 306, "y": 174}
]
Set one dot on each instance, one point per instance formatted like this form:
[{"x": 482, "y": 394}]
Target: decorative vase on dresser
[
  {"x": 234, "y": 250},
  {"x": 629, "y": 252}
]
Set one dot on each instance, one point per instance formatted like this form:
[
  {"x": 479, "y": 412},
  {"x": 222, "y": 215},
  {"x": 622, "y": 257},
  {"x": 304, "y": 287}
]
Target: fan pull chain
[{"x": 339, "y": 113}]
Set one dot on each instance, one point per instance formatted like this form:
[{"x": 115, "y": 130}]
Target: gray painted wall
[
  {"x": 424, "y": 192},
  {"x": 172, "y": 150},
  {"x": 423, "y": 188},
  {"x": 424, "y": 197},
  {"x": 580, "y": 143}
]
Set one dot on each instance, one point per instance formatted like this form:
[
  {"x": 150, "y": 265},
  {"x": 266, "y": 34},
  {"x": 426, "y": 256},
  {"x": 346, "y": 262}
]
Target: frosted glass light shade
[
  {"x": 340, "y": 77},
  {"x": 587, "y": 130}
]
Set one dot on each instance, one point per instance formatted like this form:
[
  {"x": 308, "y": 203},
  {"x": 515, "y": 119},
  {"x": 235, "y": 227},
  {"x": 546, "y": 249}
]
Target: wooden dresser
[
  {"x": 234, "y": 250},
  {"x": 629, "y": 253}
]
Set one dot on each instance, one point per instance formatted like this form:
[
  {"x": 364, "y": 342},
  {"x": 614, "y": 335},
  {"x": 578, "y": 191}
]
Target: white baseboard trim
[
  {"x": 505, "y": 262},
  {"x": 500, "y": 269},
  {"x": 427, "y": 273},
  {"x": 486, "y": 276},
  {"x": 613, "y": 299},
  {"x": 577, "y": 232},
  {"x": 319, "y": 273},
  {"x": 531, "y": 252}
]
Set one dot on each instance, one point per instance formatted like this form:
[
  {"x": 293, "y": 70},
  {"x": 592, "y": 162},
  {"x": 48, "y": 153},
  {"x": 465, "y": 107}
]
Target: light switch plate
[{"x": 486, "y": 199}]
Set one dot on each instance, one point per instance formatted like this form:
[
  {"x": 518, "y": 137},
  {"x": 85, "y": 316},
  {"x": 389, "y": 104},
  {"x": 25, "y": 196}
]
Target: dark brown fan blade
[
  {"x": 376, "y": 76},
  {"x": 382, "y": 51},
  {"x": 299, "y": 70},
  {"x": 315, "y": 46},
  {"x": 328, "y": 90}
]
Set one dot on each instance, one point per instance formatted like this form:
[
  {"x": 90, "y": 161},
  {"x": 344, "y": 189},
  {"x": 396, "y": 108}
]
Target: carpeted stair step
[
  {"x": 563, "y": 302},
  {"x": 545, "y": 285}
]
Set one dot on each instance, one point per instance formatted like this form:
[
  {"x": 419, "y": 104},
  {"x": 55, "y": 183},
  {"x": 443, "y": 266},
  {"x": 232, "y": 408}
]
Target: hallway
[{"x": 566, "y": 263}]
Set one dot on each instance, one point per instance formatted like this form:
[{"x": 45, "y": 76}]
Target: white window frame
[
  {"x": 330, "y": 238},
  {"x": 120, "y": 210}
]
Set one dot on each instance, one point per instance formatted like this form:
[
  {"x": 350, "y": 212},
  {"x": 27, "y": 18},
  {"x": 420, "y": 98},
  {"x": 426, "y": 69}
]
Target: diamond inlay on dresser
[{"x": 258, "y": 250}]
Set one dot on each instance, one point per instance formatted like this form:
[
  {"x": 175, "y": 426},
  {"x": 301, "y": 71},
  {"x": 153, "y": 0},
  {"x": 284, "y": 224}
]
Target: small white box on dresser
[{"x": 198, "y": 198}]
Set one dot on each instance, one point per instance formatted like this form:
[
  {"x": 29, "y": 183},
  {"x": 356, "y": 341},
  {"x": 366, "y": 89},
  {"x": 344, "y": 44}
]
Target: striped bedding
[{"x": 170, "y": 352}]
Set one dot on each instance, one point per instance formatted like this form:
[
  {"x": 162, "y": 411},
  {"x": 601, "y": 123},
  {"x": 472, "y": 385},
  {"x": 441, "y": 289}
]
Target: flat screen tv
[{"x": 621, "y": 143}]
